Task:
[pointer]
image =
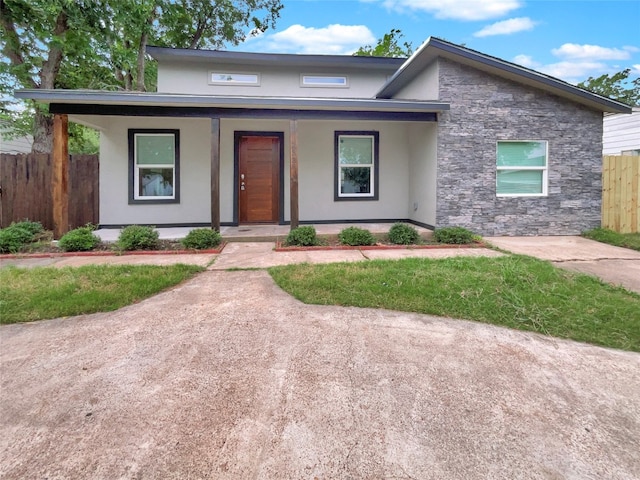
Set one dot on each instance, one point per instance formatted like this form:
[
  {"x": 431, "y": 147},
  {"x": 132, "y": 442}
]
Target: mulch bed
[
  {"x": 49, "y": 250},
  {"x": 281, "y": 247}
]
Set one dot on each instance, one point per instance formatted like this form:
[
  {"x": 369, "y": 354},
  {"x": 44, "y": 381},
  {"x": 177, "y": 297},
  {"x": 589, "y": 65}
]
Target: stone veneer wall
[{"x": 486, "y": 108}]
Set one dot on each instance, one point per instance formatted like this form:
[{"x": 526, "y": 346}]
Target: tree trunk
[{"x": 42, "y": 133}]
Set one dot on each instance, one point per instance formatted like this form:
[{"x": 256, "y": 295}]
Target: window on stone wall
[
  {"x": 521, "y": 168},
  {"x": 154, "y": 163}
]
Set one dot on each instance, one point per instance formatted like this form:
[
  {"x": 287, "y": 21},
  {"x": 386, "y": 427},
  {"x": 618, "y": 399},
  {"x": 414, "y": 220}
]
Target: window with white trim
[
  {"x": 325, "y": 81},
  {"x": 228, "y": 78},
  {"x": 356, "y": 165},
  {"x": 521, "y": 168},
  {"x": 154, "y": 161}
]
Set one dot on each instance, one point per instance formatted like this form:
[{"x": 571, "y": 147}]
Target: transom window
[
  {"x": 228, "y": 78},
  {"x": 356, "y": 165},
  {"x": 325, "y": 81},
  {"x": 154, "y": 166},
  {"x": 521, "y": 168}
]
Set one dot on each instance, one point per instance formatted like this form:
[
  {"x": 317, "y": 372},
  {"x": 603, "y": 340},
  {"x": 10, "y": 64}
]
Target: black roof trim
[
  {"x": 262, "y": 113},
  {"x": 435, "y": 47},
  {"x": 278, "y": 59}
]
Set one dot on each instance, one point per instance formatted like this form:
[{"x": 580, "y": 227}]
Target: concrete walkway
[
  {"x": 227, "y": 377},
  {"x": 616, "y": 265}
]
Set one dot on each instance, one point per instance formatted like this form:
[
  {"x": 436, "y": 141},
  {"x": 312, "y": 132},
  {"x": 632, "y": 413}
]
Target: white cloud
[
  {"x": 592, "y": 52},
  {"x": 507, "y": 27},
  {"x": 574, "y": 72},
  {"x": 467, "y": 10},
  {"x": 331, "y": 40},
  {"x": 525, "y": 61},
  {"x": 635, "y": 69}
]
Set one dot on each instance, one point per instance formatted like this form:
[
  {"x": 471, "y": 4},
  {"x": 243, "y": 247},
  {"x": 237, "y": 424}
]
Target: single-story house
[
  {"x": 621, "y": 133},
  {"x": 447, "y": 137}
]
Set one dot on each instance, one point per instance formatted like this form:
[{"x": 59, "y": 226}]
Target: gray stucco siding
[{"x": 485, "y": 109}]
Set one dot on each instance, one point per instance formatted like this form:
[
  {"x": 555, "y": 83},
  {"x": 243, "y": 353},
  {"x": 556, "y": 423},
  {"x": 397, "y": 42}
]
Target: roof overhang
[
  {"x": 435, "y": 47},
  {"x": 91, "y": 102},
  {"x": 271, "y": 59}
]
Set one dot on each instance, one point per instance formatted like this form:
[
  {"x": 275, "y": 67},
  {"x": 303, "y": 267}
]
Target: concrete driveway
[
  {"x": 228, "y": 377},
  {"x": 620, "y": 266}
]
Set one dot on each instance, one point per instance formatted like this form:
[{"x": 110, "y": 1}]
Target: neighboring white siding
[
  {"x": 423, "y": 161},
  {"x": 192, "y": 78},
  {"x": 423, "y": 87},
  {"x": 14, "y": 145},
  {"x": 621, "y": 132}
]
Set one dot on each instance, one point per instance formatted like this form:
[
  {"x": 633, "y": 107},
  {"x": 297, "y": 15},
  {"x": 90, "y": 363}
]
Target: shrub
[
  {"x": 13, "y": 238},
  {"x": 138, "y": 237},
  {"x": 202, "y": 238},
  {"x": 403, "y": 234},
  {"x": 454, "y": 235},
  {"x": 356, "y": 236},
  {"x": 302, "y": 236},
  {"x": 81, "y": 239},
  {"x": 31, "y": 227}
]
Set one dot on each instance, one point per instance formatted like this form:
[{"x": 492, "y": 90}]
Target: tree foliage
[
  {"x": 617, "y": 86},
  {"x": 100, "y": 44},
  {"x": 388, "y": 46}
]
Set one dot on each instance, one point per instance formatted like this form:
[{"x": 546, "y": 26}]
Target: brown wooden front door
[{"x": 259, "y": 179}]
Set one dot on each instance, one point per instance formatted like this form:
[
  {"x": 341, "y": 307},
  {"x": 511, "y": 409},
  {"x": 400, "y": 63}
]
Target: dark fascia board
[
  {"x": 98, "y": 97},
  {"x": 435, "y": 47},
  {"x": 271, "y": 59}
]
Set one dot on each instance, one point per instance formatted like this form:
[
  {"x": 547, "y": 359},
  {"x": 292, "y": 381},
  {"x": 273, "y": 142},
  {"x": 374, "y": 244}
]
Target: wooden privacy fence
[
  {"x": 620, "y": 191},
  {"x": 26, "y": 193}
]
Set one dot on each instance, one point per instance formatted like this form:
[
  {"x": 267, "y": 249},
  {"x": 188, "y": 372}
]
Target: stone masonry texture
[{"x": 485, "y": 109}]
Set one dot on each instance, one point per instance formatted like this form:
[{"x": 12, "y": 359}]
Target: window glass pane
[
  {"x": 221, "y": 77},
  {"x": 519, "y": 182},
  {"x": 155, "y": 182},
  {"x": 522, "y": 154},
  {"x": 356, "y": 150},
  {"x": 355, "y": 180},
  {"x": 155, "y": 149},
  {"x": 324, "y": 80}
]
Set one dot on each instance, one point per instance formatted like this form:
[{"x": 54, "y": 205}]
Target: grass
[
  {"x": 47, "y": 292},
  {"x": 512, "y": 291},
  {"x": 604, "y": 235}
]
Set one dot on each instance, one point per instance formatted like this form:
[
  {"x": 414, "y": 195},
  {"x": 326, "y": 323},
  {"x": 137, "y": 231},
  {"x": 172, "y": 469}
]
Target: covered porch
[{"x": 211, "y": 181}]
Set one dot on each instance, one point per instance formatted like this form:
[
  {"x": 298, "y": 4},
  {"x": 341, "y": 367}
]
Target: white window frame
[
  {"x": 137, "y": 167},
  {"x": 306, "y": 81},
  {"x": 235, "y": 78},
  {"x": 371, "y": 166},
  {"x": 544, "y": 169}
]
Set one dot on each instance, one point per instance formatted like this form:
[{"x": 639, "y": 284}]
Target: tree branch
[
  {"x": 12, "y": 46},
  {"x": 51, "y": 66}
]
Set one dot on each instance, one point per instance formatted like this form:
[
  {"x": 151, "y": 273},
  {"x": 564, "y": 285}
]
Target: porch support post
[
  {"x": 293, "y": 170},
  {"x": 60, "y": 178},
  {"x": 215, "y": 174}
]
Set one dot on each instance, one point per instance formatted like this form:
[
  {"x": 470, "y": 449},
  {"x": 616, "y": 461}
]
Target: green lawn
[
  {"x": 39, "y": 293},
  {"x": 512, "y": 291},
  {"x": 604, "y": 235}
]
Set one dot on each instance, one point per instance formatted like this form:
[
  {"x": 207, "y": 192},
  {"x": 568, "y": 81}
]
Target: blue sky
[{"x": 571, "y": 40}]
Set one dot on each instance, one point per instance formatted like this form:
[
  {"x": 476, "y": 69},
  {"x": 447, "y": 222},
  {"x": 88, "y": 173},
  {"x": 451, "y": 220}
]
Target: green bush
[
  {"x": 356, "y": 237},
  {"x": 31, "y": 227},
  {"x": 302, "y": 236},
  {"x": 138, "y": 237},
  {"x": 454, "y": 235},
  {"x": 403, "y": 234},
  {"x": 81, "y": 239},
  {"x": 202, "y": 238},
  {"x": 14, "y": 237}
]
